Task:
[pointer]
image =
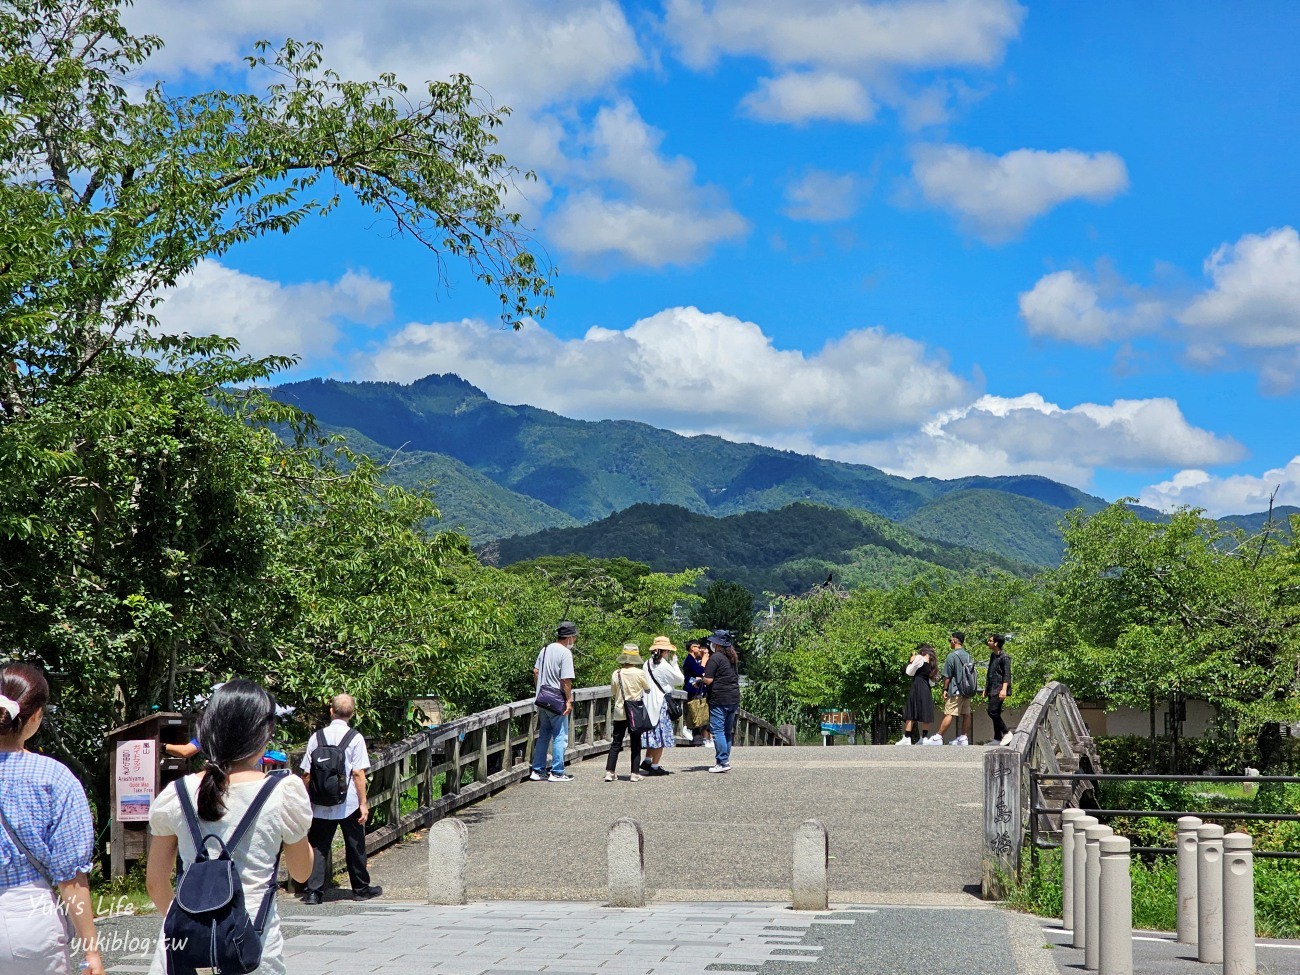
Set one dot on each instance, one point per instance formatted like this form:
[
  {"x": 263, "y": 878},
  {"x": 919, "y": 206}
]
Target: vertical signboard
[{"x": 135, "y": 769}]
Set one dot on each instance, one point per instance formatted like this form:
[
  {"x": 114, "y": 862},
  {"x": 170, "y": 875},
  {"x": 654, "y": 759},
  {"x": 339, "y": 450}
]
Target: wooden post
[{"x": 1003, "y": 824}]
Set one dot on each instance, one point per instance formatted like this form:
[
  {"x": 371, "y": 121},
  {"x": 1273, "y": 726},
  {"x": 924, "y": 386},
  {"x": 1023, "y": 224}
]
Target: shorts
[{"x": 956, "y": 706}]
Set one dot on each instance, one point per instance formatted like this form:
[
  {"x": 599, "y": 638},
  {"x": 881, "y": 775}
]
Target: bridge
[{"x": 905, "y": 824}]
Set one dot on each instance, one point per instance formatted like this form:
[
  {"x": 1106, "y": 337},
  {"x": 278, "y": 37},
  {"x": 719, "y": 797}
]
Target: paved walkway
[{"x": 905, "y": 824}]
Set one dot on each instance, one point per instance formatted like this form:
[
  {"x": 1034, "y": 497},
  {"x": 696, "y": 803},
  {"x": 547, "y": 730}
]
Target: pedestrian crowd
[{"x": 960, "y": 688}]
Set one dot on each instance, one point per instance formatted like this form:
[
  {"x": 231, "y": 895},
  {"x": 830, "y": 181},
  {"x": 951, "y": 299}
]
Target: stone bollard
[
  {"x": 1115, "y": 931},
  {"x": 1068, "y": 816},
  {"x": 626, "y": 864},
  {"x": 1080, "y": 894},
  {"x": 808, "y": 885},
  {"x": 1186, "y": 843},
  {"x": 1238, "y": 905},
  {"x": 1209, "y": 894},
  {"x": 1092, "y": 895},
  {"x": 448, "y": 860}
]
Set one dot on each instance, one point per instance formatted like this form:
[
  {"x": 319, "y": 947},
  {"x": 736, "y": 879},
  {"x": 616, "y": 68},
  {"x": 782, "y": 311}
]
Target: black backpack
[
  {"x": 329, "y": 770},
  {"x": 207, "y": 925}
]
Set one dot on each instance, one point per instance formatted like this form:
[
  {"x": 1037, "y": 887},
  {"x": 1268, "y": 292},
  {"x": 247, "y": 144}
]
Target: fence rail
[{"x": 462, "y": 761}]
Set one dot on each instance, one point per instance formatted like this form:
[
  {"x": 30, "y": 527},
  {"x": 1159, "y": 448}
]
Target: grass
[{"x": 125, "y": 895}]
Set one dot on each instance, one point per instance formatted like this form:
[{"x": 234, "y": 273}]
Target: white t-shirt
[
  {"x": 284, "y": 819},
  {"x": 357, "y": 758}
]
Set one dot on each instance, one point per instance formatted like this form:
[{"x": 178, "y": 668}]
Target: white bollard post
[
  {"x": 1186, "y": 843},
  {"x": 1068, "y": 817},
  {"x": 809, "y": 886},
  {"x": 626, "y": 864},
  {"x": 1238, "y": 905},
  {"x": 1209, "y": 894},
  {"x": 448, "y": 861},
  {"x": 1116, "y": 916},
  {"x": 1080, "y": 892},
  {"x": 1093, "y": 836}
]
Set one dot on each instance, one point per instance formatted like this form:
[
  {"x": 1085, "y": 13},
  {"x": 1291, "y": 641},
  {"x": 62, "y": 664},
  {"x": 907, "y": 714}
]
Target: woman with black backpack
[{"x": 231, "y": 809}]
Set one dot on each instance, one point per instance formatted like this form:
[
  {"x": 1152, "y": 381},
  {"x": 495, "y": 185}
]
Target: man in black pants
[
  {"x": 350, "y": 814},
  {"x": 998, "y": 685}
]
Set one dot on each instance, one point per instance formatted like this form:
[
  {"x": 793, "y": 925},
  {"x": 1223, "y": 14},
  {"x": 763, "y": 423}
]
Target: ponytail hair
[
  {"x": 24, "y": 691},
  {"x": 237, "y": 724}
]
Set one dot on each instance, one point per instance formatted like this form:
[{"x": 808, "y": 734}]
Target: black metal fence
[{"x": 1040, "y": 838}]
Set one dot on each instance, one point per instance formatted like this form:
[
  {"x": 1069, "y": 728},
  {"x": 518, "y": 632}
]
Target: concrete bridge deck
[{"x": 905, "y": 827}]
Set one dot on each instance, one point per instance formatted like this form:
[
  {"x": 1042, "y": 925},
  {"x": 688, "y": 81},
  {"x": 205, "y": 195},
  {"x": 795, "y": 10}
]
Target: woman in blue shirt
[{"x": 46, "y": 841}]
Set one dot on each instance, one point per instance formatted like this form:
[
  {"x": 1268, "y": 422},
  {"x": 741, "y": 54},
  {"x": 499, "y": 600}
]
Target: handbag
[
  {"x": 551, "y": 698},
  {"x": 674, "y": 705},
  {"x": 697, "y": 713},
  {"x": 638, "y": 718}
]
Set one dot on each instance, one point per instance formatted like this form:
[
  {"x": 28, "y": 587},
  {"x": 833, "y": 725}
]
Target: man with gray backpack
[
  {"x": 959, "y": 687},
  {"x": 334, "y": 769}
]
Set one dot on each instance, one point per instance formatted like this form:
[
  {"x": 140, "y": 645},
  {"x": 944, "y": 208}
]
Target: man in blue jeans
[
  {"x": 722, "y": 678},
  {"x": 554, "y": 669}
]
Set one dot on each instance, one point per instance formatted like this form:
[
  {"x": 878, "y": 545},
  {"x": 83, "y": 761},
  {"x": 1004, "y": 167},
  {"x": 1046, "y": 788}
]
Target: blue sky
[{"x": 942, "y": 237}]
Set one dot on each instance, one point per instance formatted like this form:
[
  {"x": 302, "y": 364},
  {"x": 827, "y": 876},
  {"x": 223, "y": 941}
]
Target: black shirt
[
  {"x": 999, "y": 674},
  {"x": 724, "y": 692}
]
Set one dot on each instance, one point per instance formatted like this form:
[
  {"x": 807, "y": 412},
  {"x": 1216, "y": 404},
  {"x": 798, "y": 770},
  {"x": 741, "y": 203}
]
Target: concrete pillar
[
  {"x": 448, "y": 862},
  {"x": 1209, "y": 894},
  {"x": 809, "y": 884},
  {"x": 1068, "y": 816},
  {"x": 1080, "y": 895},
  {"x": 1115, "y": 933},
  {"x": 626, "y": 864},
  {"x": 1092, "y": 896},
  {"x": 1238, "y": 905},
  {"x": 789, "y": 734},
  {"x": 1186, "y": 844}
]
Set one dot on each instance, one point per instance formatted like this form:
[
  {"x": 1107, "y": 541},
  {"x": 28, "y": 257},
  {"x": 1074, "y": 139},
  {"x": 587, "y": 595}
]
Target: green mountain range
[
  {"x": 785, "y": 551},
  {"x": 500, "y": 471}
]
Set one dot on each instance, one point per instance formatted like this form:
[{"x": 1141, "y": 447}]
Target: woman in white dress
[
  {"x": 666, "y": 676},
  {"x": 233, "y": 734}
]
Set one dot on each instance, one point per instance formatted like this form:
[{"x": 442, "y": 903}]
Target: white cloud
[
  {"x": 835, "y": 55},
  {"x": 822, "y": 197},
  {"x": 526, "y": 53},
  {"x": 1065, "y": 305},
  {"x": 643, "y": 207},
  {"x": 807, "y": 97},
  {"x": 689, "y": 370},
  {"x": 1247, "y": 316},
  {"x": 1029, "y": 435},
  {"x": 996, "y": 197},
  {"x": 1234, "y": 494},
  {"x": 913, "y": 34},
  {"x": 270, "y": 318}
]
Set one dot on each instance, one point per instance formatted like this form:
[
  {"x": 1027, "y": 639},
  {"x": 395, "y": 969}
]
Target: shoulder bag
[
  {"x": 638, "y": 718},
  {"x": 551, "y": 698}
]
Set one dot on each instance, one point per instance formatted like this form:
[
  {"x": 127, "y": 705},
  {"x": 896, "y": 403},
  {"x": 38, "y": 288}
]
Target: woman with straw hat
[
  {"x": 628, "y": 683},
  {"x": 666, "y": 676}
]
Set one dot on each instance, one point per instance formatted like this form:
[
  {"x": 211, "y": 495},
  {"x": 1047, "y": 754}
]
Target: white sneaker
[
  {"x": 720, "y": 768},
  {"x": 708, "y": 743},
  {"x": 904, "y": 741},
  {"x": 536, "y": 777},
  {"x": 932, "y": 740},
  {"x": 1007, "y": 739},
  {"x": 961, "y": 740}
]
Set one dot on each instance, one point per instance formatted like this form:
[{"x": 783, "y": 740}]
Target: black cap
[{"x": 566, "y": 629}]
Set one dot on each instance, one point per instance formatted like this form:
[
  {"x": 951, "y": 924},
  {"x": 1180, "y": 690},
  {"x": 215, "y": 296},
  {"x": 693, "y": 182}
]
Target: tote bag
[{"x": 638, "y": 718}]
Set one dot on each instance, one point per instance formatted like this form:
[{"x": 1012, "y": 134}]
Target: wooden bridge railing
[
  {"x": 1051, "y": 737},
  {"x": 416, "y": 782}
]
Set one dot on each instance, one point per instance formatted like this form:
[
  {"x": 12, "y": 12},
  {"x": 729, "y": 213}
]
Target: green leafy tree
[{"x": 727, "y": 606}]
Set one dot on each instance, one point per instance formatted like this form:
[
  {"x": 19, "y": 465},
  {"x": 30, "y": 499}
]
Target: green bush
[{"x": 1220, "y": 755}]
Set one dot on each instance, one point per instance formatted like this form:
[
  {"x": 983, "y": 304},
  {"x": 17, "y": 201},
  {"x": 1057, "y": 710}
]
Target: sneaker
[
  {"x": 708, "y": 743},
  {"x": 366, "y": 893},
  {"x": 634, "y": 777},
  {"x": 312, "y": 897},
  {"x": 657, "y": 770},
  {"x": 536, "y": 776},
  {"x": 559, "y": 777},
  {"x": 1007, "y": 738},
  {"x": 720, "y": 768},
  {"x": 904, "y": 741},
  {"x": 646, "y": 766},
  {"x": 961, "y": 740},
  {"x": 609, "y": 776},
  {"x": 932, "y": 740}
]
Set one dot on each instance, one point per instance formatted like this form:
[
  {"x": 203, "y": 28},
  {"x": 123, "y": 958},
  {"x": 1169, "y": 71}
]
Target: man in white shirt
[
  {"x": 350, "y": 814},
  {"x": 554, "y": 669}
]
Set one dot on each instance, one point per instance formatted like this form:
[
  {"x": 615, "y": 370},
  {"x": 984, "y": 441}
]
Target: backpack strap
[
  {"x": 191, "y": 817},
  {"x": 264, "y": 793}
]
